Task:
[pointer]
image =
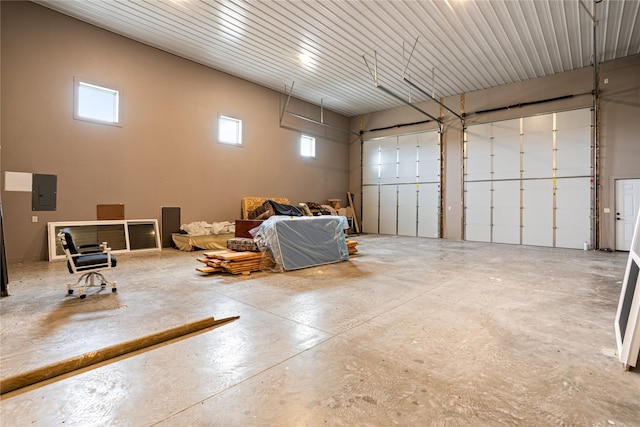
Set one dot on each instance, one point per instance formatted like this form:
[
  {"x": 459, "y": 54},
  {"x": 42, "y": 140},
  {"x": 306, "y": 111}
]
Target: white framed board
[
  {"x": 121, "y": 235},
  {"x": 627, "y": 323}
]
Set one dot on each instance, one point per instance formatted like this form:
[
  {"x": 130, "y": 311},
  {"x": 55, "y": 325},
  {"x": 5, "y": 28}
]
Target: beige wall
[
  {"x": 620, "y": 133},
  {"x": 619, "y": 140},
  {"x": 165, "y": 154}
]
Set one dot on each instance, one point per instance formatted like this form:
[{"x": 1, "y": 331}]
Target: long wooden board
[
  {"x": 101, "y": 355},
  {"x": 355, "y": 218}
]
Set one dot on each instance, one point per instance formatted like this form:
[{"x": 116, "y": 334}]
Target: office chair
[{"x": 87, "y": 260}]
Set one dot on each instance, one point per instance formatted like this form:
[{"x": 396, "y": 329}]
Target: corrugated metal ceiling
[{"x": 462, "y": 45}]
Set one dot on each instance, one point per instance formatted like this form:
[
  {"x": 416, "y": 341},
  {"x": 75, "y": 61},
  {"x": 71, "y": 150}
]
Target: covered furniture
[
  {"x": 250, "y": 203},
  {"x": 300, "y": 242},
  {"x": 88, "y": 261}
]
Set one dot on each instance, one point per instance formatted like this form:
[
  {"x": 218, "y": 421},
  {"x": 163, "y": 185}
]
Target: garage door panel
[
  {"x": 537, "y": 155},
  {"x": 573, "y": 213},
  {"x": 478, "y": 160},
  {"x": 537, "y": 212},
  {"x": 370, "y": 174},
  {"x": 429, "y": 157},
  {"x": 370, "y": 161},
  {"x": 506, "y": 128},
  {"x": 388, "y": 160},
  {"x": 497, "y": 151},
  {"x": 539, "y": 123},
  {"x": 573, "y": 155},
  {"x": 407, "y": 158},
  {"x": 391, "y": 169},
  {"x": 506, "y": 158},
  {"x": 428, "y": 207},
  {"x": 506, "y": 212},
  {"x": 407, "y": 210},
  {"x": 388, "y": 209},
  {"x": 573, "y": 119},
  {"x": 478, "y": 211},
  {"x": 388, "y": 173},
  {"x": 370, "y": 209}
]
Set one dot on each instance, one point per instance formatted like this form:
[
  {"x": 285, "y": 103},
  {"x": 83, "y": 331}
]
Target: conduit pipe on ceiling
[
  {"x": 374, "y": 75},
  {"x": 309, "y": 119},
  {"x": 596, "y": 126},
  {"x": 521, "y": 105},
  {"x": 416, "y": 87}
]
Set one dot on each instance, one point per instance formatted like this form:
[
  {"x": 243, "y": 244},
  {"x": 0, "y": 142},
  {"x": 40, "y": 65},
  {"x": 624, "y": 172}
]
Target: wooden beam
[{"x": 93, "y": 357}]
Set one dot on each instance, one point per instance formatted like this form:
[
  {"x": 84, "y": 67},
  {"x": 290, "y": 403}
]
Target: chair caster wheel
[
  {"x": 83, "y": 296},
  {"x": 70, "y": 291},
  {"x": 114, "y": 290}
]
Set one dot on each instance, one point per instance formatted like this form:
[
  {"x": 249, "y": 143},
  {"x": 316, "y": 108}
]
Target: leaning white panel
[
  {"x": 407, "y": 209},
  {"x": 573, "y": 213},
  {"x": 118, "y": 230}
]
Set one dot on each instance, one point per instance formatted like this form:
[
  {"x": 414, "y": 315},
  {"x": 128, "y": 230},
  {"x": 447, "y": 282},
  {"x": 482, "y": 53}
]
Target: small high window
[
  {"x": 95, "y": 103},
  {"x": 229, "y": 130},
  {"x": 307, "y": 146}
]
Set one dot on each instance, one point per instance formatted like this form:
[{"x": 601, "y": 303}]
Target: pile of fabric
[
  {"x": 203, "y": 228},
  {"x": 270, "y": 208}
]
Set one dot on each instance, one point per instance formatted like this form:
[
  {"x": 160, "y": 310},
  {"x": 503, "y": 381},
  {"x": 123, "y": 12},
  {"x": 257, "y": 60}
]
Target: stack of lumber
[
  {"x": 351, "y": 247},
  {"x": 244, "y": 262},
  {"x": 234, "y": 262}
]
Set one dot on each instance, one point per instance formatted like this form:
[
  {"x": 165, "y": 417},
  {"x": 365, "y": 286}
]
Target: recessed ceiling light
[{"x": 305, "y": 59}]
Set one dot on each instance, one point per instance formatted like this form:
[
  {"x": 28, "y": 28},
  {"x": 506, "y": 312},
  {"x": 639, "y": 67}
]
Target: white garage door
[
  {"x": 401, "y": 185},
  {"x": 528, "y": 181}
]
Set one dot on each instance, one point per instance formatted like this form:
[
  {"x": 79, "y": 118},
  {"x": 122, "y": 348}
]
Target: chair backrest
[{"x": 68, "y": 242}]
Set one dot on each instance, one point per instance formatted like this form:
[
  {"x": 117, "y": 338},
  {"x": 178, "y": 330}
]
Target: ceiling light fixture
[{"x": 305, "y": 59}]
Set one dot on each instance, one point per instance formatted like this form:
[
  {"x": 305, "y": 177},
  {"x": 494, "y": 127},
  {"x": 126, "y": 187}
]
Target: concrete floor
[{"x": 410, "y": 332}]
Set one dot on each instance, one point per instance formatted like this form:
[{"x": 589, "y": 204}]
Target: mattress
[{"x": 186, "y": 242}]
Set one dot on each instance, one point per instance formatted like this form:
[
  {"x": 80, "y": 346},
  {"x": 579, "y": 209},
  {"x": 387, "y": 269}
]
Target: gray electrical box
[{"x": 44, "y": 190}]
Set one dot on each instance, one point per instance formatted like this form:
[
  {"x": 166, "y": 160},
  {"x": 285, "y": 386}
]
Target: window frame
[
  {"x": 238, "y": 142},
  {"x": 312, "y": 147},
  {"x": 78, "y": 82}
]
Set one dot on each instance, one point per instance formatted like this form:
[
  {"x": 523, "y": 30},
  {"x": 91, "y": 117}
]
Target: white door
[{"x": 627, "y": 207}]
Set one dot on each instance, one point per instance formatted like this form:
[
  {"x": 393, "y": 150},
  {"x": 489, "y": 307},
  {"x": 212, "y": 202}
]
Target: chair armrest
[
  {"x": 101, "y": 249},
  {"x": 90, "y": 248}
]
